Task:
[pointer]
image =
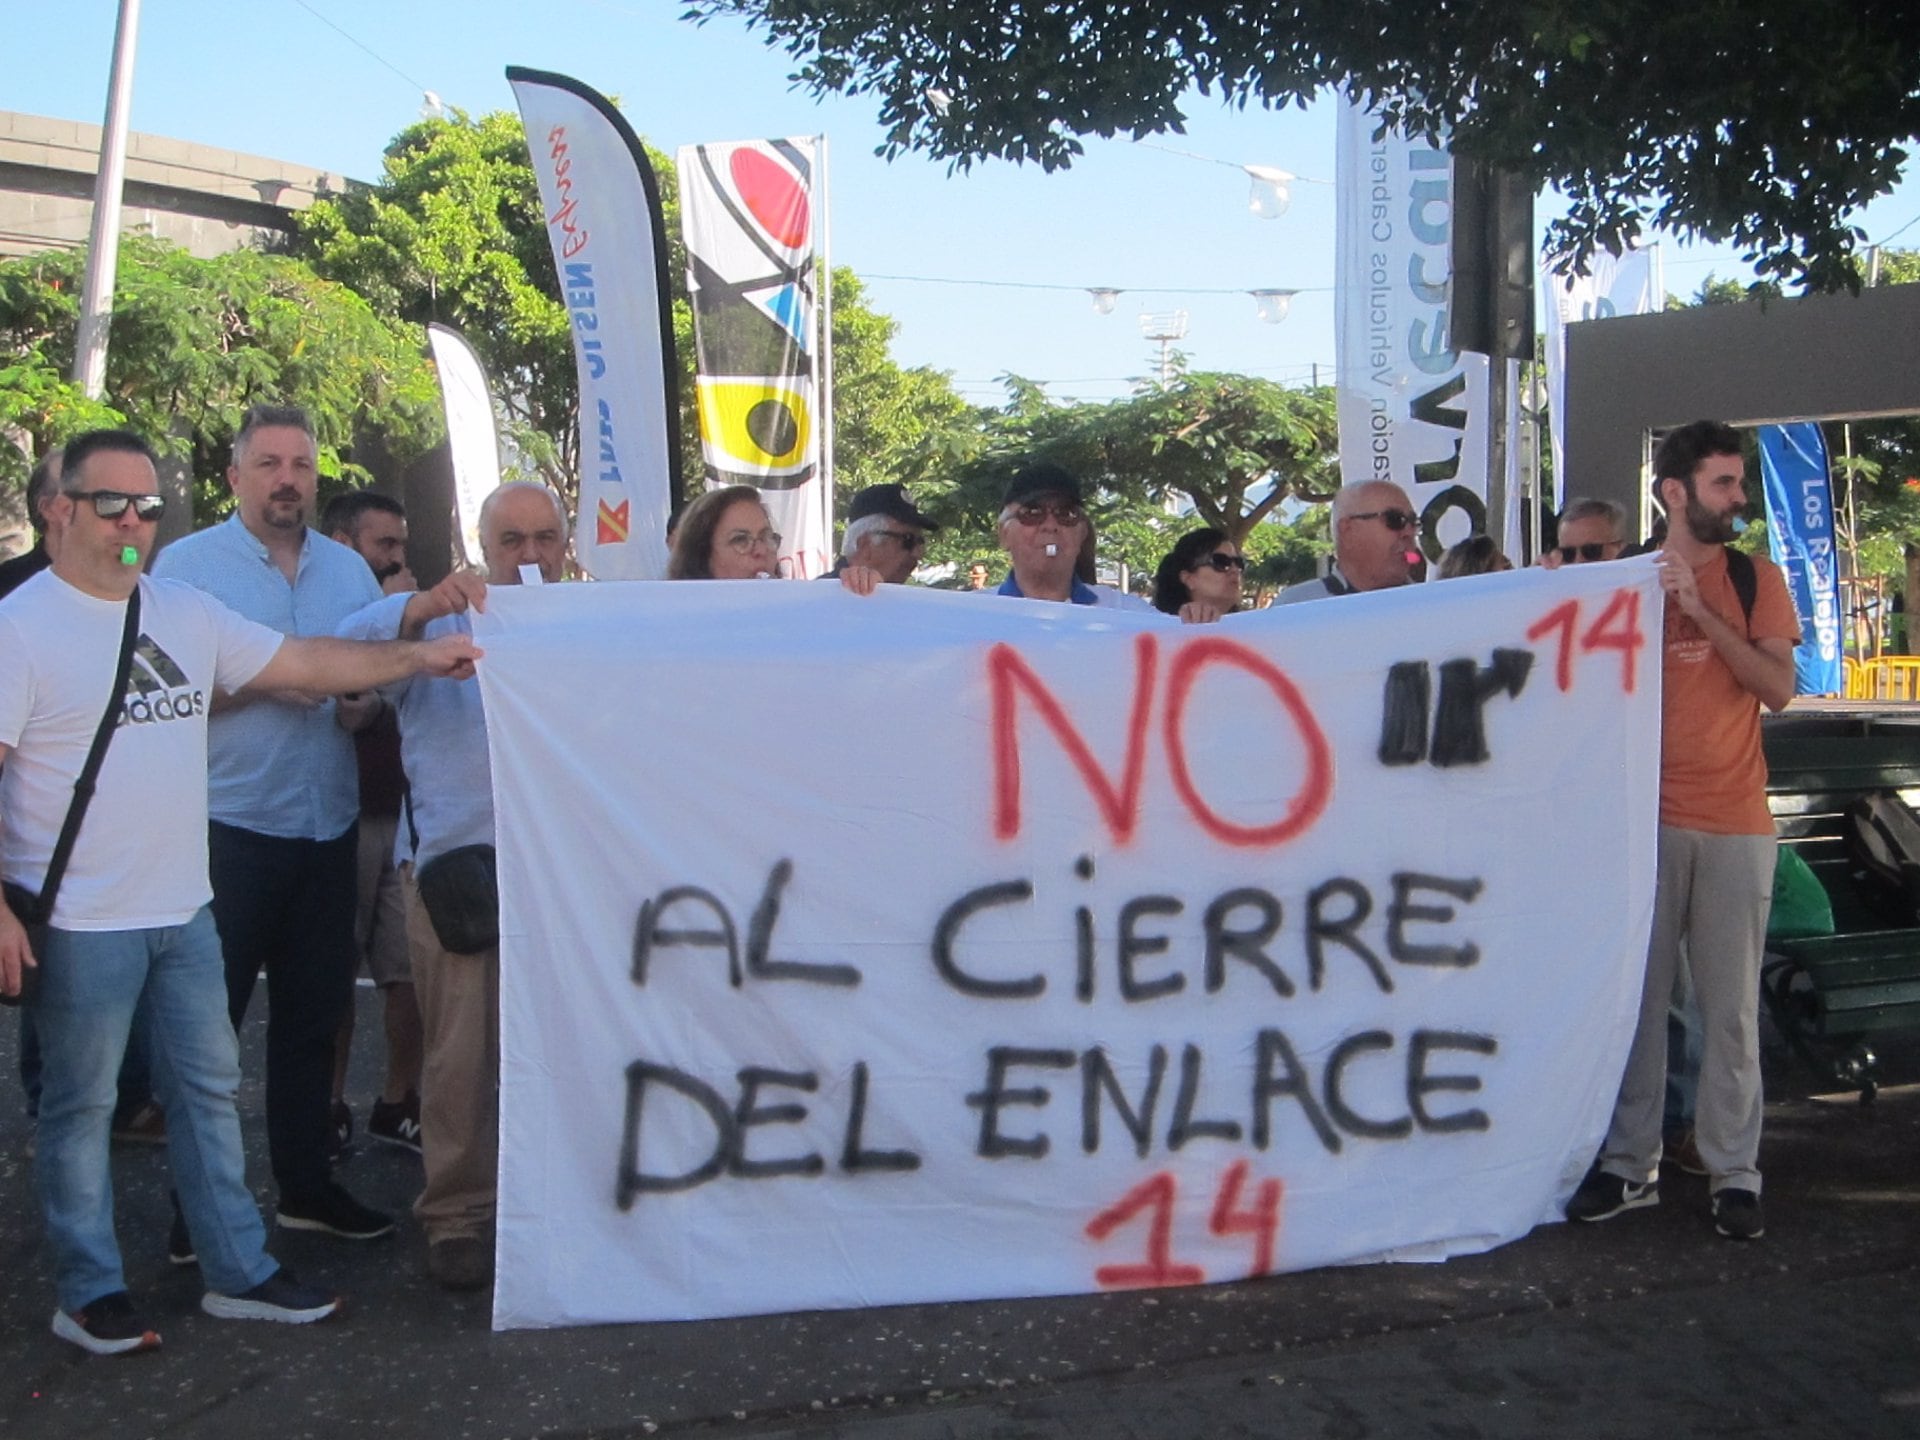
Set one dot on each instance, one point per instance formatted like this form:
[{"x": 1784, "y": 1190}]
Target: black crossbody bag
[
  {"x": 34, "y": 911},
  {"x": 461, "y": 893}
]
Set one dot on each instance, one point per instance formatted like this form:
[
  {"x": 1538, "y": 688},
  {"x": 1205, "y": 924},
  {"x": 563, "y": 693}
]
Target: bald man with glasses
[{"x": 1375, "y": 544}]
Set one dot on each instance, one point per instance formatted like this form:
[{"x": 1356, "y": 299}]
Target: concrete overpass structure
[{"x": 201, "y": 198}]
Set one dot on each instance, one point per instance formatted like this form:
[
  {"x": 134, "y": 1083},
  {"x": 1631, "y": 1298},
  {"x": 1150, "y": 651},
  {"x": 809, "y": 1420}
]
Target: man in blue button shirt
[{"x": 284, "y": 803}]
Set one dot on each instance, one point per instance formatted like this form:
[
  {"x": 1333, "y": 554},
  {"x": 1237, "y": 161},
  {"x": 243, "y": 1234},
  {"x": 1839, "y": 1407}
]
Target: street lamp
[
  {"x": 1269, "y": 196},
  {"x": 1272, "y": 305}
]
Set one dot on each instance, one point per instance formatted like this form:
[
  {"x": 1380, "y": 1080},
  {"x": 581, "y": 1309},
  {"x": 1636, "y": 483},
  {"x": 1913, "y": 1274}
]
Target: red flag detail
[{"x": 610, "y": 524}]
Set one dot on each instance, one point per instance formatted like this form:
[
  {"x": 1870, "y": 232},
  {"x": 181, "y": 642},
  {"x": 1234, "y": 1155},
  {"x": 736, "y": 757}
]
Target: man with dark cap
[
  {"x": 1043, "y": 525},
  {"x": 885, "y": 532}
]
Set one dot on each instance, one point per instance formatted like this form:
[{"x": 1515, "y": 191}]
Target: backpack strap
[{"x": 1746, "y": 582}]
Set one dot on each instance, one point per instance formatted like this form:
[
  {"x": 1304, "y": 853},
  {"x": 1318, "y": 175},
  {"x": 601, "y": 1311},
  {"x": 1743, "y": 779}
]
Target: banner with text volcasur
[
  {"x": 602, "y": 207},
  {"x": 748, "y": 215},
  {"x": 935, "y": 947},
  {"x": 1412, "y": 410}
]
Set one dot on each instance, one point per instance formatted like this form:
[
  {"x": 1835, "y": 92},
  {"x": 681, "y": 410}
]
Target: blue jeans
[
  {"x": 91, "y": 983},
  {"x": 136, "y": 1086}
]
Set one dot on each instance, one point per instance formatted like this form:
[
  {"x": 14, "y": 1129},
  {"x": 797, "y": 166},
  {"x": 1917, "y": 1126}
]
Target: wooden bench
[{"x": 1829, "y": 996}]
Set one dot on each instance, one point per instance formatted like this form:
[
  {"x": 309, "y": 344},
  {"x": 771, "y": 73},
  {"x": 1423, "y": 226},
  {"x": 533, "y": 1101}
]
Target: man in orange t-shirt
[{"x": 1721, "y": 660}]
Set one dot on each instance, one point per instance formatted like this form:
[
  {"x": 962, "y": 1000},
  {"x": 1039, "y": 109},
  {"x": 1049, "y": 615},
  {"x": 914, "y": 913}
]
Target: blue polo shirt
[
  {"x": 1105, "y": 596},
  {"x": 275, "y": 768}
]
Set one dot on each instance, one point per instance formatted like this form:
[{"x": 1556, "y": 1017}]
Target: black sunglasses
[
  {"x": 1224, "y": 562},
  {"x": 1594, "y": 551},
  {"x": 112, "y": 504},
  {"x": 1394, "y": 519}
]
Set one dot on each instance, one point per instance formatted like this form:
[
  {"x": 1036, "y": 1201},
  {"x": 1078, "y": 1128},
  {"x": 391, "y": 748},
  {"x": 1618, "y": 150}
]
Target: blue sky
[{"x": 328, "y": 82}]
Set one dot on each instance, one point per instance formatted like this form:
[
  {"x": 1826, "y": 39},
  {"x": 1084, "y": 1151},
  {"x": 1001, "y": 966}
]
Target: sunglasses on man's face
[
  {"x": 1573, "y": 554},
  {"x": 905, "y": 539},
  {"x": 112, "y": 504},
  {"x": 1035, "y": 513},
  {"x": 1395, "y": 520},
  {"x": 1224, "y": 562}
]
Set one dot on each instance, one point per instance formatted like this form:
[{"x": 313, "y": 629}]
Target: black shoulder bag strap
[
  {"x": 1746, "y": 583},
  {"x": 90, "y": 772}
]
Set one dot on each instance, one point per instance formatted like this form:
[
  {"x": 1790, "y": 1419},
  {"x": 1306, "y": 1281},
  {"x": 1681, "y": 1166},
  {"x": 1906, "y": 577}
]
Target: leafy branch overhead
[{"x": 1762, "y": 123}]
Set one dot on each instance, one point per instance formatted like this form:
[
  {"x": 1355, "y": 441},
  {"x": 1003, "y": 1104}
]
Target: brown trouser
[{"x": 459, "y": 1079}]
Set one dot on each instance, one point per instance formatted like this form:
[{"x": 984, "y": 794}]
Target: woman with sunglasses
[
  {"x": 1200, "y": 578},
  {"x": 728, "y": 535}
]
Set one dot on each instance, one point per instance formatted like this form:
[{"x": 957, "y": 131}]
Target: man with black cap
[
  {"x": 884, "y": 532},
  {"x": 1043, "y": 525}
]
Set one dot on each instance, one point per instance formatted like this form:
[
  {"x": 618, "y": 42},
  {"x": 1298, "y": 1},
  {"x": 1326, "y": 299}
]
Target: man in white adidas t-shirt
[{"x": 130, "y": 921}]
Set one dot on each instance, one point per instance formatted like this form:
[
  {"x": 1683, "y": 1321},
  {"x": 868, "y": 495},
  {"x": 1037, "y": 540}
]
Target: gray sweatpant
[{"x": 1713, "y": 892}]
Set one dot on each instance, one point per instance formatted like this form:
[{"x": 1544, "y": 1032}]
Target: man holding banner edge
[{"x": 1728, "y": 648}]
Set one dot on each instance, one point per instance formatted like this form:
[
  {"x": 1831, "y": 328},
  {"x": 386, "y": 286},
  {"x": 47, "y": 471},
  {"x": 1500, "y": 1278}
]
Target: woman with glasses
[
  {"x": 1200, "y": 578},
  {"x": 728, "y": 535}
]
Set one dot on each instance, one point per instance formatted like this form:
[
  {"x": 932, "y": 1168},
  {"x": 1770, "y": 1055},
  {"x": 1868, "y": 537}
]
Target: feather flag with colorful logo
[
  {"x": 602, "y": 208},
  {"x": 749, "y": 218}
]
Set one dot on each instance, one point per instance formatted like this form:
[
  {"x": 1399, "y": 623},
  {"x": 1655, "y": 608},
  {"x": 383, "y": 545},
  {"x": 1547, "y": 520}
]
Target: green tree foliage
[
  {"x": 193, "y": 343},
  {"x": 1762, "y": 123}
]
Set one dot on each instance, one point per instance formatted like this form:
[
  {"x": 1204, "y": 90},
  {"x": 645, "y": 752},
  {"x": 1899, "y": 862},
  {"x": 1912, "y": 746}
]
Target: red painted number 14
[{"x": 1259, "y": 1217}]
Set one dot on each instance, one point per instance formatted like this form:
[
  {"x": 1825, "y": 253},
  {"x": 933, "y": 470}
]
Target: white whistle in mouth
[
  {"x": 1052, "y": 550},
  {"x": 762, "y": 575},
  {"x": 530, "y": 575}
]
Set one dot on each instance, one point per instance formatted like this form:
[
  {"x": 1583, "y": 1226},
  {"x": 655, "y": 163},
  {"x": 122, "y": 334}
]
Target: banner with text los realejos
[
  {"x": 932, "y": 947},
  {"x": 1412, "y": 409},
  {"x": 602, "y": 208}
]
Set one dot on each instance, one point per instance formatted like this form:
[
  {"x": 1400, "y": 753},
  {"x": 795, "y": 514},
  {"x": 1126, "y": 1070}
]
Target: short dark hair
[
  {"x": 1170, "y": 592},
  {"x": 265, "y": 417},
  {"x": 1681, "y": 450},
  {"x": 42, "y": 484},
  {"x": 345, "y": 511},
  {"x": 93, "y": 442},
  {"x": 692, "y": 557}
]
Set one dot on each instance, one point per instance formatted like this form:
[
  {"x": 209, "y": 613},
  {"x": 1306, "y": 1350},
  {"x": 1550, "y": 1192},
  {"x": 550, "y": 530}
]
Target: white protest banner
[
  {"x": 1412, "y": 409},
  {"x": 604, "y": 227},
  {"x": 934, "y": 947}
]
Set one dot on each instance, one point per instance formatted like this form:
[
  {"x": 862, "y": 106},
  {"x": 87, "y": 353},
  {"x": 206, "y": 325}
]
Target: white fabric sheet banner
[
  {"x": 1629, "y": 284},
  {"x": 923, "y": 947},
  {"x": 471, "y": 436},
  {"x": 1412, "y": 409},
  {"x": 604, "y": 226}
]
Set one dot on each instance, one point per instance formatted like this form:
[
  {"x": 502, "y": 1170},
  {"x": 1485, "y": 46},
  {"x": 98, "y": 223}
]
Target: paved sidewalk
[{"x": 1648, "y": 1325}]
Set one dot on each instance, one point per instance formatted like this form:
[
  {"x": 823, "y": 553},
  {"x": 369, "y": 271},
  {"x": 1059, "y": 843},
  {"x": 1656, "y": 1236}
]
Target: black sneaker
[
  {"x": 1736, "y": 1213},
  {"x": 107, "y": 1326},
  {"x": 397, "y": 1123},
  {"x": 339, "y": 1132},
  {"x": 180, "y": 1243},
  {"x": 334, "y": 1212},
  {"x": 1602, "y": 1196},
  {"x": 279, "y": 1297}
]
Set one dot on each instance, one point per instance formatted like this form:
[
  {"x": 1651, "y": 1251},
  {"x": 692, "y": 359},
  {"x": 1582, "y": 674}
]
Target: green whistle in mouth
[{"x": 129, "y": 555}]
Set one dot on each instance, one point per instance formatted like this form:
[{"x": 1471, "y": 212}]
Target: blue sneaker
[
  {"x": 106, "y": 1326},
  {"x": 279, "y": 1297}
]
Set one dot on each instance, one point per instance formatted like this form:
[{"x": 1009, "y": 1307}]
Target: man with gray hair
[
  {"x": 1374, "y": 544},
  {"x": 886, "y": 532},
  {"x": 1043, "y": 528},
  {"x": 1588, "y": 531},
  {"x": 443, "y": 747},
  {"x": 284, "y": 806}
]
